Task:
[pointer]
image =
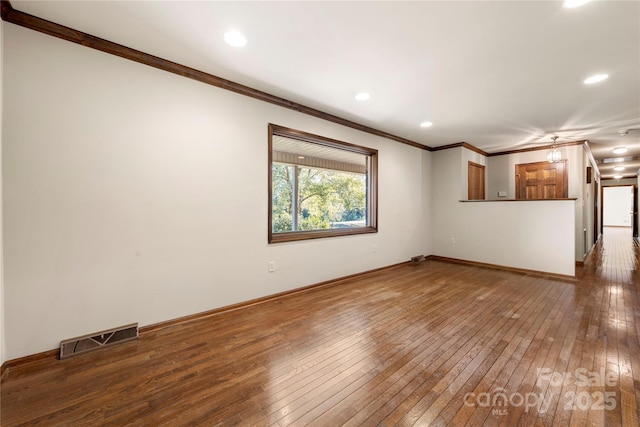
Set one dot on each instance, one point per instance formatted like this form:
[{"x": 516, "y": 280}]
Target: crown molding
[
  {"x": 9, "y": 14},
  {"x": 461, "y": 144},
  {"x": 542, "y": 147}
]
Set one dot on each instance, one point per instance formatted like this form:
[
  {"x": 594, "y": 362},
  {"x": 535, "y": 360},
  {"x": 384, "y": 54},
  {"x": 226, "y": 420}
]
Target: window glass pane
[
  {"x": 331, "y": 199},
  {"x": 282, "y": 198}
]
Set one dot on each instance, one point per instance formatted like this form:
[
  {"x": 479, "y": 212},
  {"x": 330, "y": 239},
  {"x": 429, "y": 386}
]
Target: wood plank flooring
[{"x": 431, "y": 344}]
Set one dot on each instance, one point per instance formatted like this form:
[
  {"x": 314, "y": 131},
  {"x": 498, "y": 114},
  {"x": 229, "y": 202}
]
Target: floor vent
[
  {"x": 95, "y": 341},
  {"x": 417, "y": 259}
]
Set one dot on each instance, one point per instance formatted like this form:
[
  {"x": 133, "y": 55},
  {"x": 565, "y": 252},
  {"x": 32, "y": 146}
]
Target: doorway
[
  {"x": 619, "y": 208},
  {"x": 475, "y": 184}
]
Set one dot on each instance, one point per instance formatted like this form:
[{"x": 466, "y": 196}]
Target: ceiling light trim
[
  {"x": 235, "y": 38},
  {"x": 596, "y": 78},
  {"x": 572, "y": 4}
]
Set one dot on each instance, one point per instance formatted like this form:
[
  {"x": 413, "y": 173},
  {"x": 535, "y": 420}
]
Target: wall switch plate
[{"x": 272, "y": 266}]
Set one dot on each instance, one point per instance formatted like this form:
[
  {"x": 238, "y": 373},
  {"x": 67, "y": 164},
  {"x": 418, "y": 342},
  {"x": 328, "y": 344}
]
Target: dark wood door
[
  {"x": 476, "y": 182},
  {"x": 542, "y": 180}
]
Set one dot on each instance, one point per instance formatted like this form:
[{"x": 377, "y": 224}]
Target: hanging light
[{"x": 555, "y": 155}]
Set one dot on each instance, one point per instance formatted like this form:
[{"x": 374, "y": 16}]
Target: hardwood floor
[{"x": 430, "y": 344}]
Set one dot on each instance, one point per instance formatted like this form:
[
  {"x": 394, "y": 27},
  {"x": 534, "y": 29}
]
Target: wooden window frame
[{"x": 372, "y": 187}]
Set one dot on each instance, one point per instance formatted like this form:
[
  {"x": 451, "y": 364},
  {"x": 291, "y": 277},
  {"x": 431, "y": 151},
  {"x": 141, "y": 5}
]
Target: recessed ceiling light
[
  {"x": 426, "y": 124},
  {"x": 620, "y": 150},
  {"x": 617, "y": 176},
  {"x": 235, "y": 38},
  {"x": 618, "y": 168},
  {"x": 570, "y": 4},
  {"x": 362, "y": 96},
  {"x": 595, "y": 79}
]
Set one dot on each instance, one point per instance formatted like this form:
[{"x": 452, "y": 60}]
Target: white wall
[
  {"x": 501, "y": 171},
  {"x": 446, "y": 167},
  {"x": 618, "y": 203},
  {"x": 134, "y": 195},
  {"x": 512, "y": 234}
]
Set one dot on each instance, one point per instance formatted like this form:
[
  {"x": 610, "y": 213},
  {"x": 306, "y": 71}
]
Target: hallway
[
  {"x": 614, "y": 258},
  {"x": 608, "y": 285}
]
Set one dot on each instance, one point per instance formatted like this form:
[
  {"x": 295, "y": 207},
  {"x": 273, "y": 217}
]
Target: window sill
[{"x": 294, "y": 236}]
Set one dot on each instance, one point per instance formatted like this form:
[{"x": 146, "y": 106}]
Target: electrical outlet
[
  {"x": 272, "y": 266},
  {"x": 453, "y": 240}
]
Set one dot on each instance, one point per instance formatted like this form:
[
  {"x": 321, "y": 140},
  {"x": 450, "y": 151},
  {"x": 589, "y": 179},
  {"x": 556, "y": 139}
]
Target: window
[{"x": 319, "y": 187}]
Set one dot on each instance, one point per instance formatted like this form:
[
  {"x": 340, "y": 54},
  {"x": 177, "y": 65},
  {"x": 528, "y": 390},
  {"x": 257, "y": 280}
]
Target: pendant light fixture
[{"x": 555, "y": 155}]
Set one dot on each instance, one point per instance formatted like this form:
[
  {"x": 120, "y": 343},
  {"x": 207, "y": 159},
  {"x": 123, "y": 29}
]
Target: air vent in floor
[
  {"x": 97, "y": 340},
  {"x": 417, "y": 259}
]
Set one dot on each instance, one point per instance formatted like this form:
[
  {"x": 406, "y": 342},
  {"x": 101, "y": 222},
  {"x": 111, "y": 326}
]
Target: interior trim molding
[
  {"x": 29, "y": 360},
  {"x": 9, "y": 14},
  {"x": 14, "y": 16},
  {"x": 503, "y": 268},
  {"x": 55, "y": 353},
  {"x": 256, "y": 301},
  {"x": 542, "y": 147},
  {"x": 503, "y": 153},
  {"x": 461, "y": 144}
]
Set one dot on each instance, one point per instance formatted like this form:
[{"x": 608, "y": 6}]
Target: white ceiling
[{"x": 499, "y": 75}]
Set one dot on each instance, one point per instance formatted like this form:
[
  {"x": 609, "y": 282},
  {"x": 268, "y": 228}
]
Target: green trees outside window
[{"x": 325, "y": 199}]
